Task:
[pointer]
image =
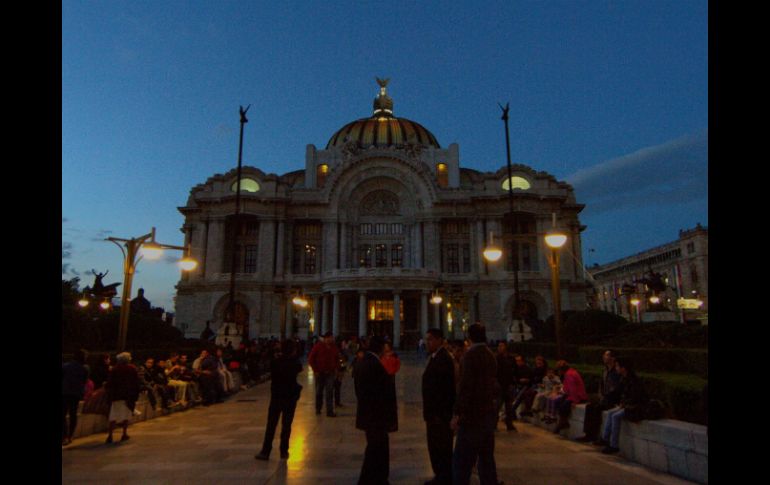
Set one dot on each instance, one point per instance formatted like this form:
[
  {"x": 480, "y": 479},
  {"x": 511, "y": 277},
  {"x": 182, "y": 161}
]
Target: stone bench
[{"x": 667, "y": 445}]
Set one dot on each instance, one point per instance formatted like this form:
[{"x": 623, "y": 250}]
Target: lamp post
[
  {"x": 150, "y": 249},
  {"x": 555, "y": 240}
]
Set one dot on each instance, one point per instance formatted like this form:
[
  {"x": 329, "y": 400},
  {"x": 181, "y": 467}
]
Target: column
[
  {"x": 361, "y": 313},
  {"x": 424, "y": 313},
  {"x": 344, "y": 246},
  {"x": 336, "y": 314},
  {"x": 325, "y": 315},
  {"x": 396, "y": 320},
  {"x": 289, "y": 327},
  {"x": 215, "y": 247},
  {"x": 437, "y": 316},
  {"x": 317, "y": 311},
  {"x": 279, "y": 249}
]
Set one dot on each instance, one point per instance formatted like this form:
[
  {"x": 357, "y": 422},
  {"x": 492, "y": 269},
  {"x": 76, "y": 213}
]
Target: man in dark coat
[
  {"x": 284, "y": 393},
  {"x": 506, "y": 379},
  {"x": 438, "y": 399},
  {"x": 74, "y": 375},
  {"x": 475, "y": 412},
  {"x": 376, "y": 413}
]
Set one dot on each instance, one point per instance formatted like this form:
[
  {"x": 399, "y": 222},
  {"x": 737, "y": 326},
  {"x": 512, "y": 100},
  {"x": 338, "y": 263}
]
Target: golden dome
[{"x": 383, "y": 129}]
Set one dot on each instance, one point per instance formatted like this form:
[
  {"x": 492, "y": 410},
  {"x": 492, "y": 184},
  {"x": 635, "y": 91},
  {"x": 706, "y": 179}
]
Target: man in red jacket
[{"x": 323, "y": 359}]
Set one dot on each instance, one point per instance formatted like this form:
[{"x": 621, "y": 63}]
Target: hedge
[
  {"x": 682, "y": 394},
  {"x": 687, "y": 361}
]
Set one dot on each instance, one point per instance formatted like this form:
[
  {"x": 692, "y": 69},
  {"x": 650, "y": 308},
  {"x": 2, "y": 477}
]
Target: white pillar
[
  {"x": 424, "y": 314},
  {"x": 279, "y": 250},
  {"x": 396, "y": 320},
  {"x": 317, "y": 314},
  {"x": 361, "y": 313},
  {"x": 325, "y": 315},
  {"x": 288, "y": 329},
  {"x": 336, "y": 315},
  {"x": 437, "y": 315}
]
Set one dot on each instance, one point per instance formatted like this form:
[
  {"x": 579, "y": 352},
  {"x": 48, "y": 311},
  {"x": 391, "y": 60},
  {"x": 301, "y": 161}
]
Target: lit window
[
  {"x": 516, "y": 183},
  {"x": 247, "y": 185},
  {"x": 442, "y": 175},
  {"x": 321, "y": 173}
]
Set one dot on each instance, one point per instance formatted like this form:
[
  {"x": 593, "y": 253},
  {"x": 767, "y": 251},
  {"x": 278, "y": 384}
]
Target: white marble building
[{"x": 381, "y": 218}]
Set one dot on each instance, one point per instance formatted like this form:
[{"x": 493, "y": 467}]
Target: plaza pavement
[{"x": 217, "y": 444}]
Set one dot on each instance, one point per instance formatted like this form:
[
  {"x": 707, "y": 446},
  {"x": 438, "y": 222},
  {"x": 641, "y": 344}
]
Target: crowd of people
[
  {"x": 168, "y": 381},
  {"x": 467, "y": 390}
]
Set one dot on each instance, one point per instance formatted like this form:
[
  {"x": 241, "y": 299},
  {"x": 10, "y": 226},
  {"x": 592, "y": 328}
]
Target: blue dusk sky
[{"x": 609, "y": 96}]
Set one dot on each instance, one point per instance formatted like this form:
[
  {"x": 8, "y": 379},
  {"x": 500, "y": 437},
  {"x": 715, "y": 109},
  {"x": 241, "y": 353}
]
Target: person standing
[
  {"x": 438, "y": 399},
  {"x": 284, "y": 394},
  {"x": 74, "y": 375},
  {"x": 323, "y": 359},
  {"x": 122, "y": 393},
  {"x": 475, "y": 413},
  {"x": 376, "y": 413},
  {"x": 506, "y": 379}
]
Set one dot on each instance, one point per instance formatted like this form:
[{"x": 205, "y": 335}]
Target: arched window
[
  {"x": 247, "y": 185},
  {"x": 516, "y": 182}
]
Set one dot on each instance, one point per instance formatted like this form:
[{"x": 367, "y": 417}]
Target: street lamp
[
  {"x": 492, "y": 252},
  {"x": 555, "y": 240},
  {"x": 149, "y": 249}
]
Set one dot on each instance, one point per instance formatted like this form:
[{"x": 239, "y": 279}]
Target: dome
[{"x": 383, "y": 129}]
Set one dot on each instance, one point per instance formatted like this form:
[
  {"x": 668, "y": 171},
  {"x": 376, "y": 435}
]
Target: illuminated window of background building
[
  {"x": 442, "y": 175},
  {"x": 383, "y": 310},
  {"x": 320, "y": 175}
]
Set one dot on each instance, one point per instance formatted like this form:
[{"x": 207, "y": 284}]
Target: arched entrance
[{"x": 240, "y": 317}]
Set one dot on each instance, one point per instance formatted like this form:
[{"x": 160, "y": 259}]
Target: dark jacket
[
  {"x": 123, "y": 384},
  {"x": 283, "y": 378},
  {"x": 376, "y": 394},
  {"x": 523, "y": 375},
  {"x": 609, "y": 388},
  {"x": 438, "y": 387},
  {"x": 538, "y": 373},
  {"x": 633, "y": 397},
  {"x": 505, "y": 373},
  {"x": 479, "y": 388},
  {"x": 73, "y": 379}
]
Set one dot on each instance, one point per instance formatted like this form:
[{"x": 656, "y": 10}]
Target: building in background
[
  {"x": 683, "y": 269},
  {"x": 378, "y": 221}
]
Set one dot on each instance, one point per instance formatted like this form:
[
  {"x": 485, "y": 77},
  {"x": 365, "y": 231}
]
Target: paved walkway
[{"x": 216, "y": 444}]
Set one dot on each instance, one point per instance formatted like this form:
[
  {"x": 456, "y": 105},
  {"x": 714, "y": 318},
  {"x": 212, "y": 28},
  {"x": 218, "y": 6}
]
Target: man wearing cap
[{"x": 323, "y": 359}]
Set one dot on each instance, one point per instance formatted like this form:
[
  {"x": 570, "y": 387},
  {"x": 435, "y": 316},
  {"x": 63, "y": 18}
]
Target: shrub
[{"x": 589, "y": 325}]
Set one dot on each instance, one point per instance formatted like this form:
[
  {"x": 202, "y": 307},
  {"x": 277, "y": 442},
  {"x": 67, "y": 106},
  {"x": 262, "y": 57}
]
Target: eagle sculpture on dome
[{"x": 382, "y": 82}]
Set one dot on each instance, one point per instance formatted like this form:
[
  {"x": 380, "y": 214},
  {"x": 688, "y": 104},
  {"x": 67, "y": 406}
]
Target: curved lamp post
[
  {"x": 149, "y": 249},
  {"x": 555, "y": 240}
]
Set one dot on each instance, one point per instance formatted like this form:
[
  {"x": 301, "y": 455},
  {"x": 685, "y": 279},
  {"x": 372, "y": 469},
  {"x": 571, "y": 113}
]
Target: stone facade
[
  {"x": 378, "y": 220},
  {"x": 683, "y": 265}
]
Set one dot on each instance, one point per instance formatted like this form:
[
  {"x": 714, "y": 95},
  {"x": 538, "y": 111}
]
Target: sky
[{"x": 609, "y": 96}]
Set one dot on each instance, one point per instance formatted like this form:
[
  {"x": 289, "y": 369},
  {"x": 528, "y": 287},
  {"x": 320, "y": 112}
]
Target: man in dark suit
[
  {"x": 438, "y": 399},
  {"x": 376, "y": 413},
  {"x": 475, "y": 412}
]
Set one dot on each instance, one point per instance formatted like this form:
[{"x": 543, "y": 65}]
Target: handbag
[{"x": 98, "y": 403}]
